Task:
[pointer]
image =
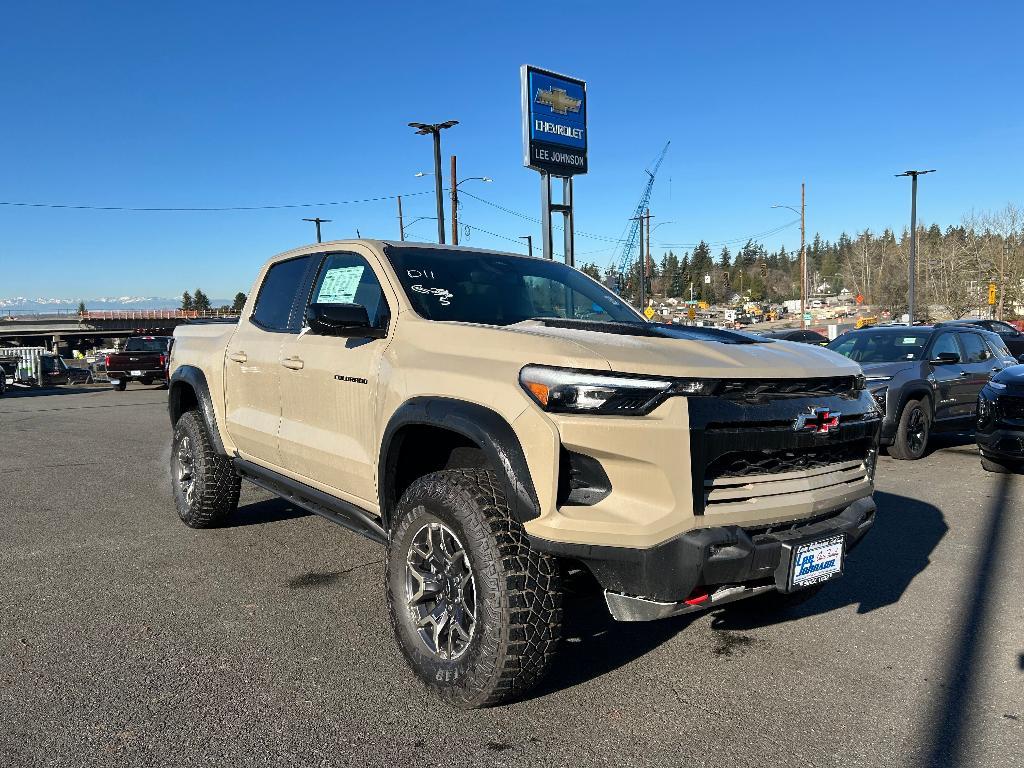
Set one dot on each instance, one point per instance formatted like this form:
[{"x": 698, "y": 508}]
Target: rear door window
[{"x": 276, "y": 299}]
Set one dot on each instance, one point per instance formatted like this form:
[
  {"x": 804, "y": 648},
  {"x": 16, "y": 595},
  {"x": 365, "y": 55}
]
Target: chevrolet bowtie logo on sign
[
  {"x": 554, "y": 122},
  {"x": 821, "y": 421},
  {"x": 560, "y": 102}
]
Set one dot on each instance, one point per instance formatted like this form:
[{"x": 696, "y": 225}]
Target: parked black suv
[
  {"x": 1000, "y": 426},
  {"x": 924, "y": 379},
  {"x": 1013, "y": 338}
]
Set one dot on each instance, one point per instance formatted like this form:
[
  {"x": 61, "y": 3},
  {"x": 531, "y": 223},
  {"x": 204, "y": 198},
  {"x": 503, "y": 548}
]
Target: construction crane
[{"x": 625, "y": 257}]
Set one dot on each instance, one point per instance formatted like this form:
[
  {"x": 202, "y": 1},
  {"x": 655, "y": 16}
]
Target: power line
[
  {"x": 193, "y": 209},
  {"x": 536, "y": 220},
  {"x": 733, "y": 241}
]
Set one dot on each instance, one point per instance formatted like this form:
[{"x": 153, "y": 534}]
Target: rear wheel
[
  {"x": 204, "y": 483},
  {"x": 912, "y": 432},
  {"x": 121, "y": 385},
  {"x": 476, "y": 610}
]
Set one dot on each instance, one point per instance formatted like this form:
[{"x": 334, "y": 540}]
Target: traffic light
[
  {"x": 764, "y": 269},
  {"x": 725, "y": 278}
]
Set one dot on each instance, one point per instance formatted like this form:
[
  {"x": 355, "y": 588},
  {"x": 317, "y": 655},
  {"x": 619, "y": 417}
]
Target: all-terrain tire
[
  {"x": 121, "y": 385},
  {"x": 912, "y": 432},
  {"x": 214, "y": 484},
  {"x": 517, "y": 591}
]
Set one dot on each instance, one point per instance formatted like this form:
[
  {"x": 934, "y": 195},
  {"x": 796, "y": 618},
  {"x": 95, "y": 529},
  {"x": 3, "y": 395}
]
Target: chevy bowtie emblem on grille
[
  {"x": 820, "y": 421},
  {"x": 560, "y": 102}
]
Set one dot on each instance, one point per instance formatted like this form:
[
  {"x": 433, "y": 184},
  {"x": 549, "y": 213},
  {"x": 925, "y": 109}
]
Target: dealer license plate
[
  {"x": 816, "y": 561},
  {"x": 136, "y": 373}
]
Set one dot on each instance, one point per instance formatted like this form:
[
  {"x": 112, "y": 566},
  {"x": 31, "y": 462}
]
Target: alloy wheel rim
[
  {"x": 915, "y": 430},
  {"x": 440, "y": 591},
  {"x": 186, "y": 469}
]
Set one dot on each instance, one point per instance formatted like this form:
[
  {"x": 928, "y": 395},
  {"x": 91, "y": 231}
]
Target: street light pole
[
  {"x": 318, "y": 221},
  {"x": 803, "y": 250},
  {"x": 912, "y": 267},
  {"x": 401, "y": 226},
  {"x": 434, "y": 129}
]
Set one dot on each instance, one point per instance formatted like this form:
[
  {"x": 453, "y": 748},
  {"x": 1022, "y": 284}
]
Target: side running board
[{"x": 319, "y": 503}]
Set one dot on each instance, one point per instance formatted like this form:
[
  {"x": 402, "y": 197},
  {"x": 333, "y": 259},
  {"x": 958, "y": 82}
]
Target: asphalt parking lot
[{"x": 128, "y": 639}]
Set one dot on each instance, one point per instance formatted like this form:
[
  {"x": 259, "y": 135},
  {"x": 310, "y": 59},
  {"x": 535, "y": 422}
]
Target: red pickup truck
[{"x": 144, "y": 359}]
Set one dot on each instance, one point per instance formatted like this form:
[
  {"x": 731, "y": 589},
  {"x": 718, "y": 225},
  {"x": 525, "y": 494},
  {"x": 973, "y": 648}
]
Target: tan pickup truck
[{"x": 493, "y": 419}]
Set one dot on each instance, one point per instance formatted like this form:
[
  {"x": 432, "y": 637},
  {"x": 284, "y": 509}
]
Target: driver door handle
[
  {"x": 238, "y": 357},
  {"x": 965, "y": 373},
  {"x": 292, "y": 362}
]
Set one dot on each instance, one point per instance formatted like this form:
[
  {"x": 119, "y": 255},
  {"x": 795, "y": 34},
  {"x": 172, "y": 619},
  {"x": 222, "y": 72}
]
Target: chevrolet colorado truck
[
  {"x": 143, "y": 359},
  {"x": 496, "y": 420}
]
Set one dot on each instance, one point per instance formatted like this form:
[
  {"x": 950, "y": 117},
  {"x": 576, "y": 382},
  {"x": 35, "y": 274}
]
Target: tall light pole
[
  {"x": 912, "y": 267},
  {"x": 803, "y": 250},
  {"x": 318, "y": 221},
  {"x": 418, "y": 218},
  {"x": 434, "y": 129}
]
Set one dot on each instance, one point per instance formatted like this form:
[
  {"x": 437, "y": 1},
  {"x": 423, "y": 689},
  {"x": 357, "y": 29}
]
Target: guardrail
[{"x": 120, "y": 314}]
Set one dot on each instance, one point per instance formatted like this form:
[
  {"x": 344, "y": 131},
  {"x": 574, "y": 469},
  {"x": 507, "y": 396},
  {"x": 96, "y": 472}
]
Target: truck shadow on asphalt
[
  {"x": 16, "y": 393},
  {"x": 261, "y": 512},
  {"x": 906, "y": 531}
]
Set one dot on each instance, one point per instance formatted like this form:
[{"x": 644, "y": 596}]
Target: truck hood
[{"x": 663, "y": 350}]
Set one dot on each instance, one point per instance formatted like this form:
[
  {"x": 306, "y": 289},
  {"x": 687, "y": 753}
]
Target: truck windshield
[
  {"x": 146, "y": 345},
  {"x": 499, "y": 289}
]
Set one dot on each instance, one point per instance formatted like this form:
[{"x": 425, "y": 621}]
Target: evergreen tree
[
  {"x": 591, "y": 270},
  {"x": 81, "y": 307},
  {"x": 725, "y": 258},
  {"x": 186, "y": 302},
  {"x": 200, "y": 301},
  {"x": 238, "y": 303}
]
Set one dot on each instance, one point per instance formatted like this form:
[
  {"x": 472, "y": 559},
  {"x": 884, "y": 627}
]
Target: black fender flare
[
  {"x": 191, "y": 377},
  {"x": 477, "y": 423},
  {"x": 915, "y": 390}
]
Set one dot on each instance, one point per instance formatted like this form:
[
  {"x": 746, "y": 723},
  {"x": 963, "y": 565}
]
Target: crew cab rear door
[
  {"x": 977, "y": 364},
  {"x": 329, "y": 383},
  {"x": 252, "y": 365}
]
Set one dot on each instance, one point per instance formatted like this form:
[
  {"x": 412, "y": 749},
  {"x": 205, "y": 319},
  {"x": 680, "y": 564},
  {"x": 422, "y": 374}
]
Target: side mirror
[
  {"x": 945, "y": 358},
  {"x": 345, "y": 320},
  {"x": 1020, "y": 359}
]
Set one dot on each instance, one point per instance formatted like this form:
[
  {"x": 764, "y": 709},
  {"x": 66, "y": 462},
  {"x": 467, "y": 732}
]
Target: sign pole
[
  {"x": 567, "y": 216},
  {"x": 547, "y": 246}
]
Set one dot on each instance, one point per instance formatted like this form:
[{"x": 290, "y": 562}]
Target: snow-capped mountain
[{"x": 43, "y": 304}]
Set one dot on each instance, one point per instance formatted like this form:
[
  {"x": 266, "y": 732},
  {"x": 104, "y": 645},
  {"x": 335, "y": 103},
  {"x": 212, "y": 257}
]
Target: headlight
[
  {"x": 559, "y": 390},
  {"x": 997, "y": 385}
]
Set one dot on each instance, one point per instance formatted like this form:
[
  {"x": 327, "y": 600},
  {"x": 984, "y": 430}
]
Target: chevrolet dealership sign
[{"x": 554, "y": 122}]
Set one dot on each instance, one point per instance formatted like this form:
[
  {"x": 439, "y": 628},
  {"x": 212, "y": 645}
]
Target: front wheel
[
  {"x": 990, "y": 465},
  {"x": 912, "y": 432},
  {"x": 204, "y": 483},
  {"x": 477, "y": 611}
]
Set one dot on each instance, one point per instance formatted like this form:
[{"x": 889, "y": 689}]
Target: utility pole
[
  {"x": 529, "y": 243},
  {"x": 803, "y": 254},
  {"x": 647, "y": 258},
  {"x": 912, "y": 267},
  {"x": 401, "y": 224},
  {"x": 434, "y": 130},
  {"x": 318, "y": 221},
  {"x": 641, "y": 265},
  {"x": 455, "y": 205}
]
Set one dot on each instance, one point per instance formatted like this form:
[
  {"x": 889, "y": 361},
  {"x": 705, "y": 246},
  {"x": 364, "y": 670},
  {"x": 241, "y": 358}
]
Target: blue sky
[{"x": 219, "y": 104}]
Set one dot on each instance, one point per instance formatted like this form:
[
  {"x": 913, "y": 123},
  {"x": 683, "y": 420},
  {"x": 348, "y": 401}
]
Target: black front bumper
[
  {"x": 1004, "y": 443},
  {"x": 711, "y": 558}
]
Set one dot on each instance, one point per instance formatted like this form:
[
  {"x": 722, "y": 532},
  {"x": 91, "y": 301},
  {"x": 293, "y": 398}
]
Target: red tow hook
[{"x": 696, "y": 598}]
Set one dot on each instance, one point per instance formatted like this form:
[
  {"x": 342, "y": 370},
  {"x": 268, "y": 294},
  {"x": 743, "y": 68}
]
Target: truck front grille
[
  {"x": 773, "y": 461},
  {"x": 757, "y": 389},
  {"x": 1011, "y": 407}
]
